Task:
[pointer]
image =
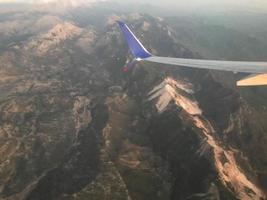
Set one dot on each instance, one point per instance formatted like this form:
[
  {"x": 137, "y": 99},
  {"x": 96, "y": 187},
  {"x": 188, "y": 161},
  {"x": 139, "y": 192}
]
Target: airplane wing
[
  {"x": 140, "y": 53},
  {"x": 253, "y": 80},
  {"x": 234, "y": 66}
]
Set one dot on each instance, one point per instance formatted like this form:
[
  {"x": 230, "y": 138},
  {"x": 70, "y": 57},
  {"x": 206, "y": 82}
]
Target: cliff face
[{"x": 73, "y": 126}]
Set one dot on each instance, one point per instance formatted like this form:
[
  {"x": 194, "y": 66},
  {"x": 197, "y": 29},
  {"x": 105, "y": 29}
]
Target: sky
[
  {"x": 260, "y": 5},
  {"x": 223, "y": 4}
]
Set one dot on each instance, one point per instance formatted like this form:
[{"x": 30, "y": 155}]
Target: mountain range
[{"x": 74, "y": 126}]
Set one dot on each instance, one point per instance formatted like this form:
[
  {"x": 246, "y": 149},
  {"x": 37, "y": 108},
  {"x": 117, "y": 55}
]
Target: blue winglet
[{"x": 137, "y": 49}]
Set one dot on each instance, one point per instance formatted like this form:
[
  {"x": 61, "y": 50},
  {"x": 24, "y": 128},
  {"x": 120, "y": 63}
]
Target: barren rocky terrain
[{"x": 74, "y": 126}]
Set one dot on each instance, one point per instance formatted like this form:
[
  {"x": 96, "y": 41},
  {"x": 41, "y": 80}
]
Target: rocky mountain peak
[
  {"x": 59, "y": 33},
  {"x": 170, "y": 90},
  {"x": 63, "y": 31}
]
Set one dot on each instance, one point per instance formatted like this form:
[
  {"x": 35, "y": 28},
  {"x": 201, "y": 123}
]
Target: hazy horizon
[{"x": 255, "y": 5}]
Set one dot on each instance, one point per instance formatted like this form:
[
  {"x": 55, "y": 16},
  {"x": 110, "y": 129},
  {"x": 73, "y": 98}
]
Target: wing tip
[
  {"x": 121, "y": 23},
  {"x": 136, "y": 47}
]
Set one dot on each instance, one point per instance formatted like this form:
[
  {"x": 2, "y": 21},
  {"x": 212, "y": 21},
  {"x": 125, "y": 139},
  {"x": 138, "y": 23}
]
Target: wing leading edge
[{"x": 259, "y": 69}]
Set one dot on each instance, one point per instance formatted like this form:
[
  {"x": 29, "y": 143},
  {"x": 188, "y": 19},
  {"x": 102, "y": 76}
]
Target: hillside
[{"x": 74, "y": 126}]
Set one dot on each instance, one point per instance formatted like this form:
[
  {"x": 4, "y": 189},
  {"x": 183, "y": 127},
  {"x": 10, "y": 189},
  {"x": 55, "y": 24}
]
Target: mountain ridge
[{"x": 73, "y": 126}]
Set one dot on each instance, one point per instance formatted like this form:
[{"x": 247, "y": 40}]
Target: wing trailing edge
[{"x": 253, "y": 80}]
